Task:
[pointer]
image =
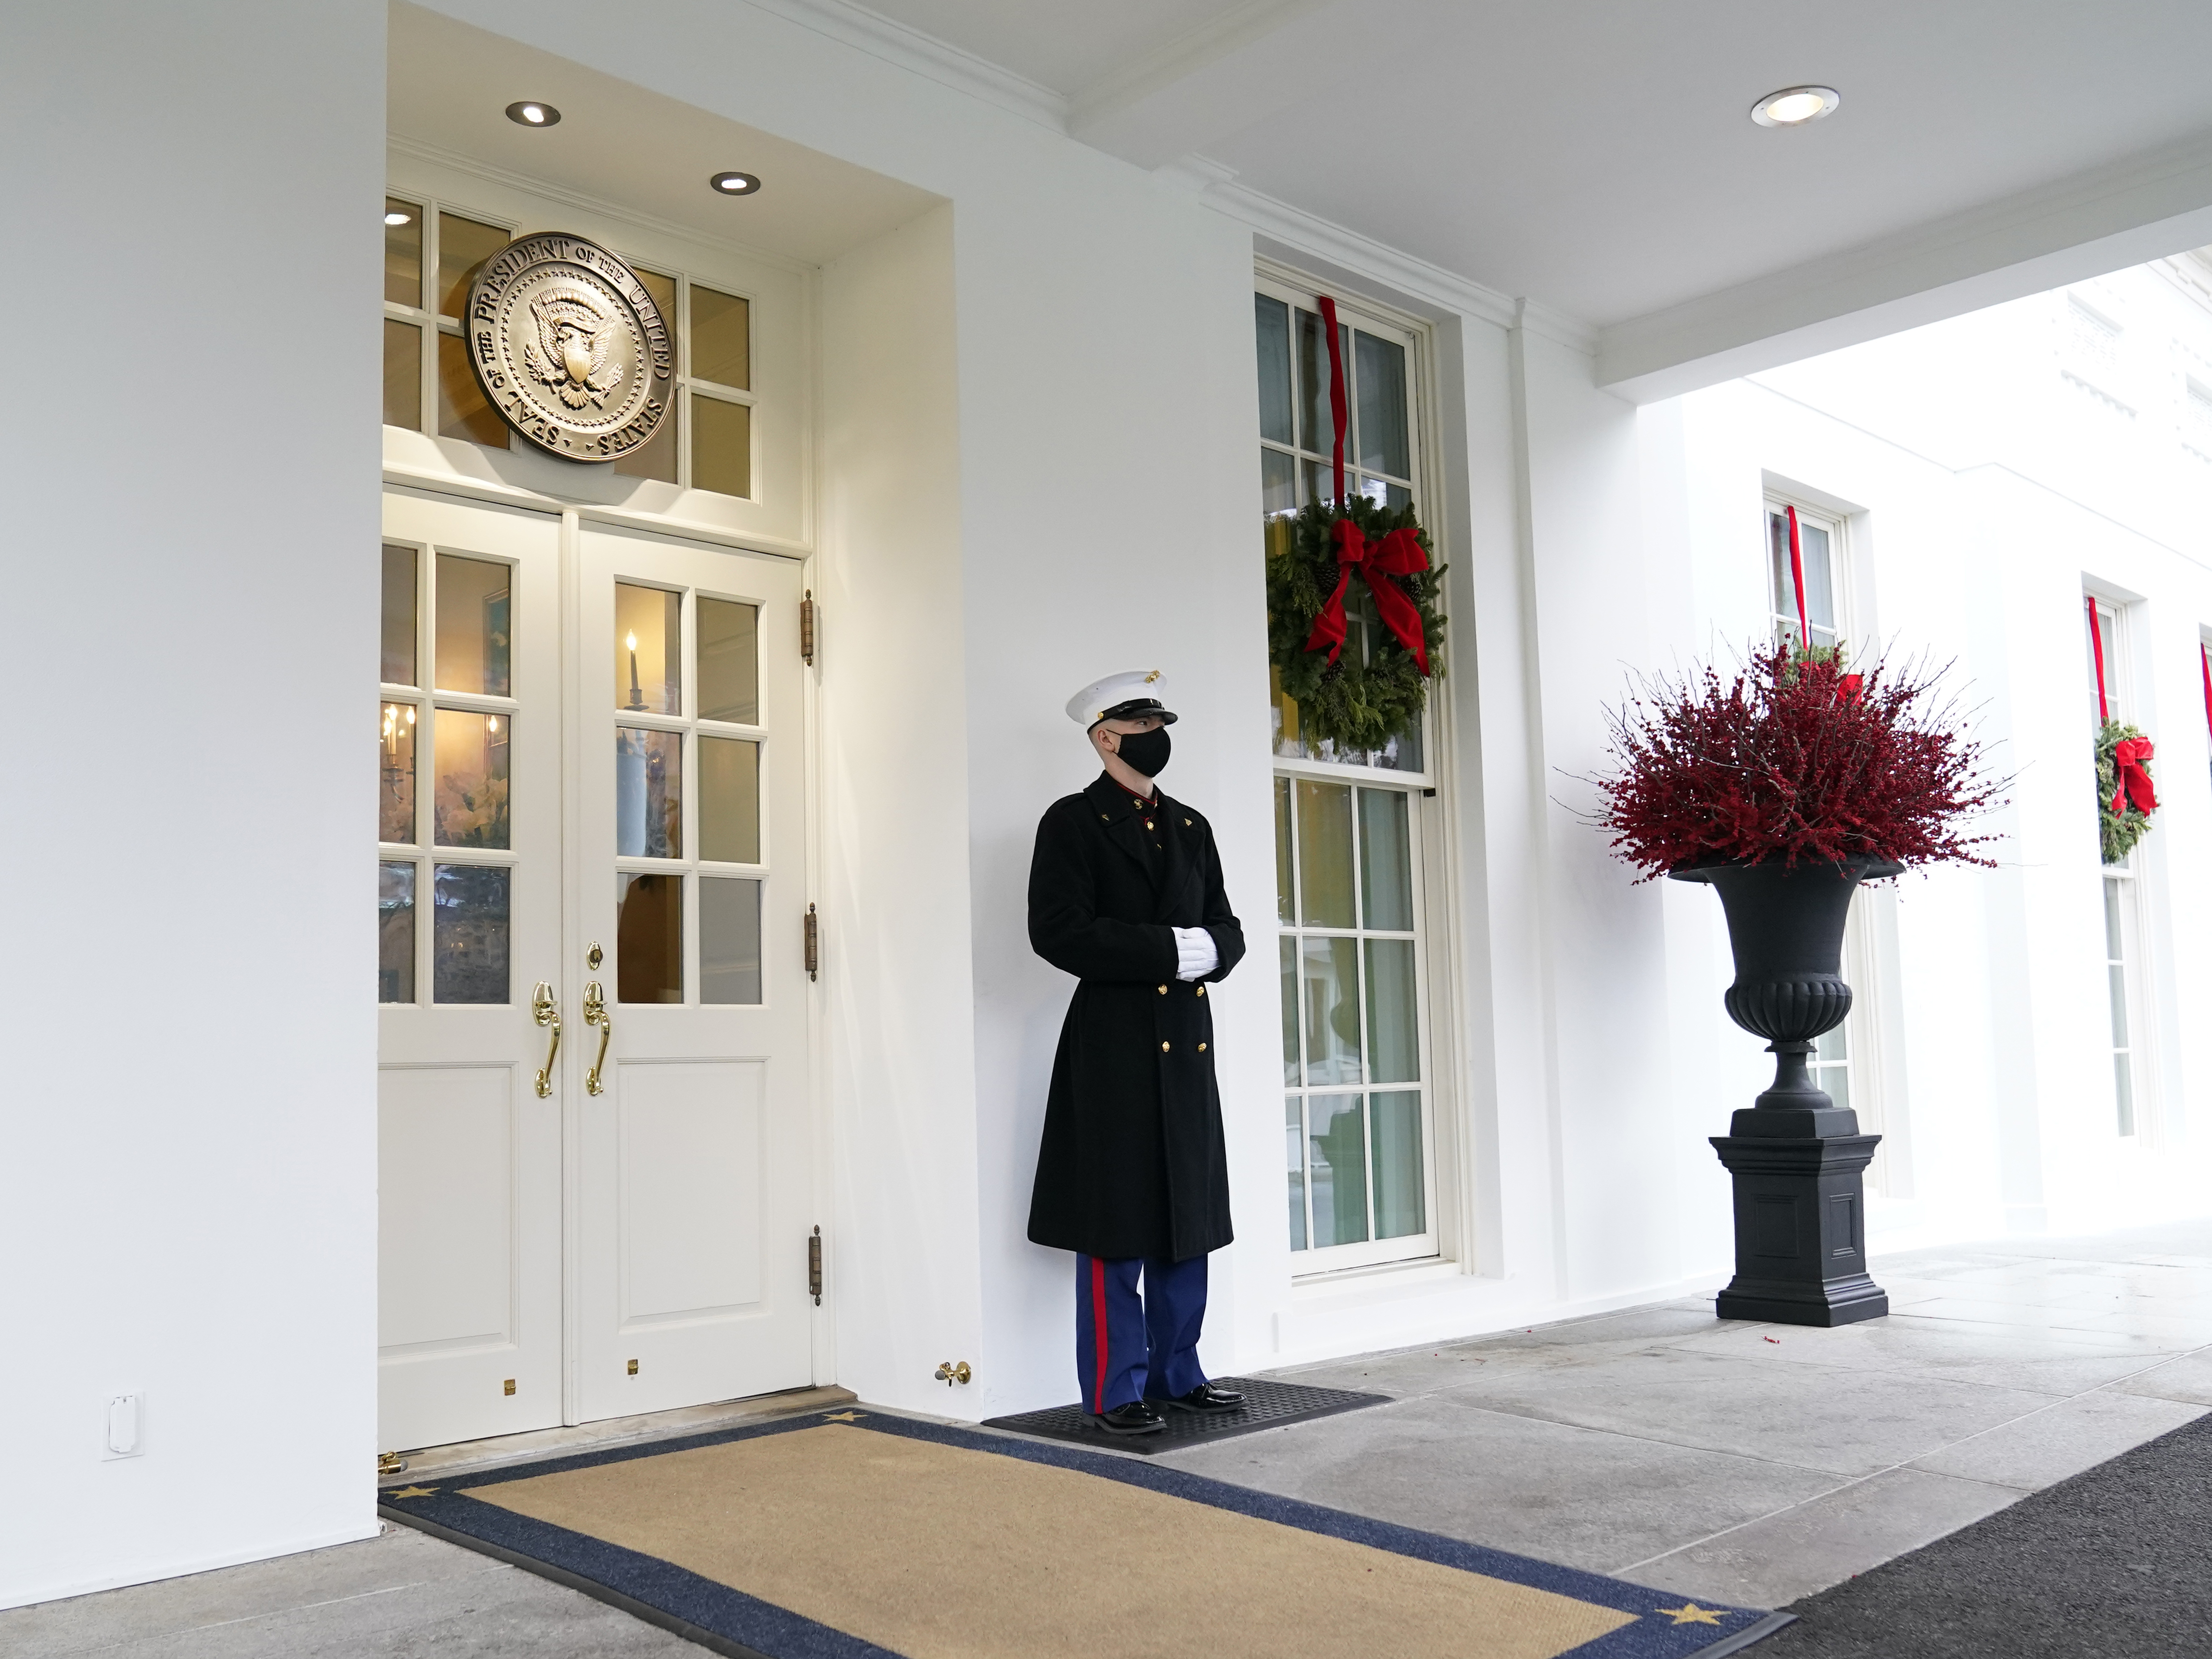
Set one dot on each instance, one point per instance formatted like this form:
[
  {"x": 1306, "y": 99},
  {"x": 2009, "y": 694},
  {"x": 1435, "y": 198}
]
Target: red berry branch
[{"x": 1797, "y": 759}]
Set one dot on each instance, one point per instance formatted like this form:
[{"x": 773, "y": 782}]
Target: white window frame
[
  {"x": 1781, "y": 602},
  {"x": 1428, "y": 837},
  {"x": 433, "y": 325},
  {"x": 2134, "y": 1118}
]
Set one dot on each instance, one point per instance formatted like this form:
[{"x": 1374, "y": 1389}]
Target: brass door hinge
[
  {"x": 391, "y": 1463},
  {"x": 806, "y": 629},
  {"x": 814, "y": 1266},
  {"x": 813, "y": 944}
]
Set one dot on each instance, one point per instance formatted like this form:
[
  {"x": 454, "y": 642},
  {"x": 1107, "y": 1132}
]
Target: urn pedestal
[{"x": 1797, "y": 1158}]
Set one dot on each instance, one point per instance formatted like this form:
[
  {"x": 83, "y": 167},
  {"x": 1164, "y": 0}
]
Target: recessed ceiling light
[
  {"x": 734, "y": 184},
  {"x": 1793, "y": 106},
  {"x": 531, "y": 113},
  {"x": 397, "y": 218}
]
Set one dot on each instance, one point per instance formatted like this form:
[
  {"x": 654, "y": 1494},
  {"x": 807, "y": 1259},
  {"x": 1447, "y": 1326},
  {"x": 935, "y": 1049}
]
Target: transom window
[
  {"x": 1359, "y": 1098},
  {"x": 432, "y": 253}
]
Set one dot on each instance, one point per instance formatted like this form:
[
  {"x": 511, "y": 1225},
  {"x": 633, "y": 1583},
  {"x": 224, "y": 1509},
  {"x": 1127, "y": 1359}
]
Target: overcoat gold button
[
  {"x": 1201, "y": 990},
  {"x": 1201, "y": 1048},
  {"x": 1164, "y": 1048},
  {"x": 1164, "y": 990}
]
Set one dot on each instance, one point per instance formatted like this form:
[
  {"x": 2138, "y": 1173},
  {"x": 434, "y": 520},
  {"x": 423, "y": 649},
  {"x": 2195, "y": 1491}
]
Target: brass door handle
[
  {"x": 595, "y": 1013},
  {"x": 542, "y": 1011}
]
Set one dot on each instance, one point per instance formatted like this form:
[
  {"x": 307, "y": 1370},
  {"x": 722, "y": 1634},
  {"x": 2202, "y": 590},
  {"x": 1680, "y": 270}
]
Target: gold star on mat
[
  {"x": 1691, "y": 1613},
  {"x": 413, "y": 1492},
  {"x": 843, "y": 1417}
]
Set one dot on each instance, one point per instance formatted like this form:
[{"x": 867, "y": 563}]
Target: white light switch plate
[{"x": 124, "y": 1425}]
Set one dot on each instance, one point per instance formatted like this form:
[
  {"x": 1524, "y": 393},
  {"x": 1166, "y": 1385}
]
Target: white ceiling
[
  {"x": 1597, "y": 156},
  {"x": 449, "y": 86}
]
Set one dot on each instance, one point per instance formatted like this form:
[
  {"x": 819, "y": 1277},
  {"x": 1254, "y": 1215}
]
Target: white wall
[{"x": 188, "y": 1122}]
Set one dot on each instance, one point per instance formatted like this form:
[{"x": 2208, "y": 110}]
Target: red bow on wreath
[
  {"x": 1398, "y": 554},
  {"x": 2134, "y": 783}
]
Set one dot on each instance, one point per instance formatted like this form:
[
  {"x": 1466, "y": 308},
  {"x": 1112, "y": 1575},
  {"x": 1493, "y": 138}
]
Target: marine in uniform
[{"x": 1125, "y": 894}]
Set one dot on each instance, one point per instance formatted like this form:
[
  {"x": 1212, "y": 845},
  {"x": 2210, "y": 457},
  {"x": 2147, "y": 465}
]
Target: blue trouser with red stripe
[{"x": 1128, "y": 1347}]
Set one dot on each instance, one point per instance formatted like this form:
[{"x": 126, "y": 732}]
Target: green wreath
[
  {"x": 1353, "y": 703},
  {"x": 2118, "y": 831}
]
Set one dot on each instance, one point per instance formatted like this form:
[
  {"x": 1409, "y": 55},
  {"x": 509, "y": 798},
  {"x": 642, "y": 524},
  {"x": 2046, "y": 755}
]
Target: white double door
[{"x": 591, "y": 811}]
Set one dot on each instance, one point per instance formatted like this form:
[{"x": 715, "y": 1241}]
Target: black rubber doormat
[
  {"x": 2108, "y": 1564},
  {"x": 1267, "y": 1405}
]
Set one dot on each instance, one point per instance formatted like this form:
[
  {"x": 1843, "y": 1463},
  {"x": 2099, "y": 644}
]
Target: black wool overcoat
[{"x": 1132, "y": 1161}]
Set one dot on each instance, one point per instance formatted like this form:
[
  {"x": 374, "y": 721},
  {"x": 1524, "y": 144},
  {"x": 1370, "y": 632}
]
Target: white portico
[{"x": 984, "y": 370}]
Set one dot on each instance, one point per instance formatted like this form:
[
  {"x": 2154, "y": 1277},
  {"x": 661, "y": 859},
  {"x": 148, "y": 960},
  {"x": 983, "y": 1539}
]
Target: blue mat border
[{"x": 732, "y": 1622}]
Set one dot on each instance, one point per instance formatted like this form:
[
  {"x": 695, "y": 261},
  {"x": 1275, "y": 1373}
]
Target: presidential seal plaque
[{"x": 569, "y": 348}]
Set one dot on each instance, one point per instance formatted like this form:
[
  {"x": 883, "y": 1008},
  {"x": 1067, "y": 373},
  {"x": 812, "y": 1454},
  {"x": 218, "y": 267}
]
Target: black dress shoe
[
  {"x": 1207, "y": 1397},
  {"x": 1136, "y": 1418}
]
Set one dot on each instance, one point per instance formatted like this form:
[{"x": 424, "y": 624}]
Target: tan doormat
[{"x": 853, "y": 1534}]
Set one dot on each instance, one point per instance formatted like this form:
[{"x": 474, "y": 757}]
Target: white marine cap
[{"x": 1120, "y": 697}]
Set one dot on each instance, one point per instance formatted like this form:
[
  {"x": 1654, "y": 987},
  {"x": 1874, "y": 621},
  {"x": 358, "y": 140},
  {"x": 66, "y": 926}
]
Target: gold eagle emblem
[{"x": 577, "y": 338}]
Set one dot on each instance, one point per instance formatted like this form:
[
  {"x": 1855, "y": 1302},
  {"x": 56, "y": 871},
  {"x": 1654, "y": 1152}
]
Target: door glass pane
[
  {"x": 469, "y": 808},
  {"x": 1401, "y": 1205},
  {"x": 1837, "y": 1080},
  {"x": 1285, "y": 910},
  {"x": 722, "y": 349},
  {"x": 395, "y": 774},
  {"x": 468, "y": 938},
  {"x": 1331, "y": 971},
  {"x": 1290, "y": 977},
  {"x": 1393, "y": 1053},
  {"x": 722, "y": 447},
  {"x": 2112, "y": 951},
  {"x": 648, "y": 795},
  {"x": 1381, "y": 377},
  {"x": 729, "y": 799},
  {"x": 399, "y": 615},
  {"x": 462, "y": 245},
  {"x": 463, "y": 410},
  {"x": 648, "y": 938},
  {"x": 395, "y": 932},
  {"x": 1385, "y": 865},
  {"x": 1338, "y": 1154},
  {"x": 1271, "y": 321},
  {"x": 729, "y": 939},
  {"x": 475, "y": 638},
  {"x": 1294, "y": 1139},
  {"x": 2124, "y": 1092},
  {"x": 402, "y": 251},
  {"x": 1324, "y": 853},
  {"x": 402, "y": 375},
  {"x": 648, "y": 649},
  {"x": 729, "y": 653}
]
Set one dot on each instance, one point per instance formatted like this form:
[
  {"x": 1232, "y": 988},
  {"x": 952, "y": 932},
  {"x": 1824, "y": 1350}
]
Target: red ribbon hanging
[
  {"x": 1398, "y": 554},
  {"x": 1337, "y": 409},
  {"x": 2204, "y": 662},
  {"x": 2133, "y": 785},
  {"x": 2097, "y": 645},
  {"x": 1797, "y": 579}
]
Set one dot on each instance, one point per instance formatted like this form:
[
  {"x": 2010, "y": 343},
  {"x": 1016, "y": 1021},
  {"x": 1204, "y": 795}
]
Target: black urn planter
[{"x": 1797, "y": 1158}]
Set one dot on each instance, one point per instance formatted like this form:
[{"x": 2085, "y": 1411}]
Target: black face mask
[{"x": 1146, "y": 752}]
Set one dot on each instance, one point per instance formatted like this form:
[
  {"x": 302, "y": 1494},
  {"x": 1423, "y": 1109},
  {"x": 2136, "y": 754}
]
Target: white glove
[{"x": 1195, "y": 957}]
